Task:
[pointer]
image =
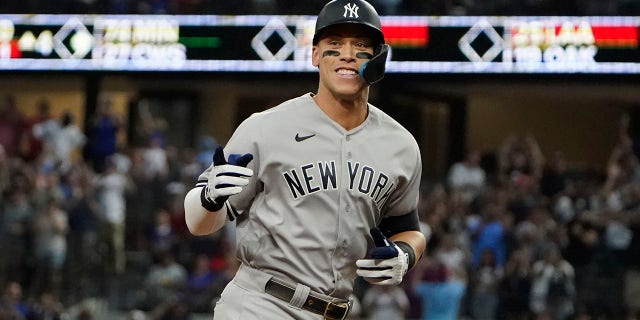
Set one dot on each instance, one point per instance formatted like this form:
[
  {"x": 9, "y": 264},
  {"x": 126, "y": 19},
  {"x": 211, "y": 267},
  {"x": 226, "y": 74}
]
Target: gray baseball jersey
[{"x": 317, "y": 189}]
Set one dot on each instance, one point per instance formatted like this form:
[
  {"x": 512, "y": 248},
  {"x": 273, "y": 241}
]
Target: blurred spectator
[
  {"x": 516, "y": 286},
  {"x": 150, "y": 125},
  {"x": 173, "y": 310},
  {"x": 441, "y": 290},
  {"x": 434, "y": 210},
  {"x": 467, "y": 176},
  {"x": 189, "y": 166},
  {"x": 385, "y": 302},
  {"x": 554, "y": 176},
  {"x": 12, "y": 304},
  {"x": 553, "y": 287},
  {"x": 15, "y": 234},
  {"x": 162, "y": 236},
  {"x": 520, "y": 160},
  {"x": 47, "y": 186},
  {"x": 632, "y": 273},
  {"x": 164, "y": 283},
  {"x": 102, "y": 135},
  {"x": 141, "y": 201},
  {"x": 461, "y": 213},
  {"x": 10, "y": 125},
  {"x": 50, "y": 230},
  {"x": 205, "y": 151},
  {"x": 484, "y": 287},
  {"x": 490, "y": 235},
  {"x": 581, "y": 252},
  {"x": 175, "y": 162},
  {"x": 623, "y": 170},
  {"x": 201, "y": 292},
  {"x": 224, "y": 263},
  {"x": 31, "y": 146},
  {"x": 156, "y": 160},
  {"x": 449, "y": 253},
  {"x": 155, "y": 168},
  {"x": 174, "y": 205},
  {"x": 111, "y": 188},
  {"x": 62, "y": 138},
  {"x": 85, "y": 257},
  {"x": 612, "y": 211},
  {"x": 535, "y": 231},
  {"x": 122, "y": 161},
  {"x": 48, "y": 308}
]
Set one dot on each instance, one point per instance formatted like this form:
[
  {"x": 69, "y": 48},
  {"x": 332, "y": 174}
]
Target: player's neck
[{"x": 348, "y": 113}]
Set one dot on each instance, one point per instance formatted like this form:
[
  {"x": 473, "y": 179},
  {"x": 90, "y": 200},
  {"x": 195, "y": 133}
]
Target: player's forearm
[
  {"x": 415, "y": 239},
  {"x": 199, "y": 220}
]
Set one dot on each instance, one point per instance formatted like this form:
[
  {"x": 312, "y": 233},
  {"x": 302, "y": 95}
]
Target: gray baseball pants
[{"x": 244, "y": 298}]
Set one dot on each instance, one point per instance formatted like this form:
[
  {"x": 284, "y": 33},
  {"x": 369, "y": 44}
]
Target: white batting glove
[
  {"x": 225, "y": 179},
  {"x": 388, "y": 263}
]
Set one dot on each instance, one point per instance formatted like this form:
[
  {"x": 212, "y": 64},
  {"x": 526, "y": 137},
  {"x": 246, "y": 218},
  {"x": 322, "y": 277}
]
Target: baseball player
[{"x": 323, "y": 188}]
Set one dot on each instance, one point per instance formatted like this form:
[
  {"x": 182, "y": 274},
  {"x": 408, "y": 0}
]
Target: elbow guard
[{"x": 396, "y": 224}]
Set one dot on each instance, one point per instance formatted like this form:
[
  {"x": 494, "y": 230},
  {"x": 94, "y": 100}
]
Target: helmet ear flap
[{"x": 373, "y": 70}]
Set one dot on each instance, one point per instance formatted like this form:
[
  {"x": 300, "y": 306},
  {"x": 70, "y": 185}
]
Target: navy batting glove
[
  {"x": 235, "y": 159},
  {"x": 387, "y": 263},
  {"x": 240, "y": 159},
  {"x": 384, "y": 248},
  {"x": 226, "y": 178}
]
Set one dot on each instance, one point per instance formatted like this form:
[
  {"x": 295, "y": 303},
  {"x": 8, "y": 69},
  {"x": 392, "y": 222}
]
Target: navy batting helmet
[{"x": 349, "y": 11}]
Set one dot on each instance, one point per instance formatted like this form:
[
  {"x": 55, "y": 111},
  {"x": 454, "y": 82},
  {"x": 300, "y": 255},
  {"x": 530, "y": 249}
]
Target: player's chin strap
[{"x": 372, "y": 71}]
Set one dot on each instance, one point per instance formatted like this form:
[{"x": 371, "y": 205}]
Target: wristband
[{"x": 406, "y": 248}]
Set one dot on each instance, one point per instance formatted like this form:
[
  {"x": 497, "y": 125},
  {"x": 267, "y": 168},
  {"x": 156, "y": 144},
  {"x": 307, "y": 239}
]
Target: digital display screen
[{"x": 420, "y": 44}]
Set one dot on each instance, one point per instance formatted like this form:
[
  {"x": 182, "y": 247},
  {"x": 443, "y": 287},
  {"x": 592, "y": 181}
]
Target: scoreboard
[{"x": 264, "y": 43}]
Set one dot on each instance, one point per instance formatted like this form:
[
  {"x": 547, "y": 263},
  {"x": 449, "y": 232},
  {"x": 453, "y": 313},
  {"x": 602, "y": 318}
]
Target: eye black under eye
[
  {"x": 330, "y": 53},
  {"x": 364, "y": 55}
]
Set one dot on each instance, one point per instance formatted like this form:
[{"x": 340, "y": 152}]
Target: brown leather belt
[{"x": 336, "y": 309}]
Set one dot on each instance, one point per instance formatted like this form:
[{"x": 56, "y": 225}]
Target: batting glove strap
[
  {"x": 388, "y": 271},
  {"x": 208, "y": 203}
]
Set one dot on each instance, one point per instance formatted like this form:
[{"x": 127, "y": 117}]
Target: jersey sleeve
[
  {"x": 246, "y": 140},
  {"x": 405, "y": 198}
]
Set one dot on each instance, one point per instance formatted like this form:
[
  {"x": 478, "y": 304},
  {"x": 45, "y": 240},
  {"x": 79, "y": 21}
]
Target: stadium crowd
[
  {"x": 512, "y": 234},
  {"x": 385, "y": 7}
]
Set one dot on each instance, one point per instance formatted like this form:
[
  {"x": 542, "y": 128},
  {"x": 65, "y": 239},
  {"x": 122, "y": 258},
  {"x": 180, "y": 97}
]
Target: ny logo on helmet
[{"x": 351, "y": 9}]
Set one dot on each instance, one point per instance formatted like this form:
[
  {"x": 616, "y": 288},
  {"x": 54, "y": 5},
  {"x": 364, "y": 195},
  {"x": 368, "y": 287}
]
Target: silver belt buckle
[{"x": 344, "y": 305}]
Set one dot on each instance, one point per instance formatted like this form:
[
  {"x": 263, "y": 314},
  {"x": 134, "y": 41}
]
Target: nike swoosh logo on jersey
[{"x": 303, "y": 138}]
